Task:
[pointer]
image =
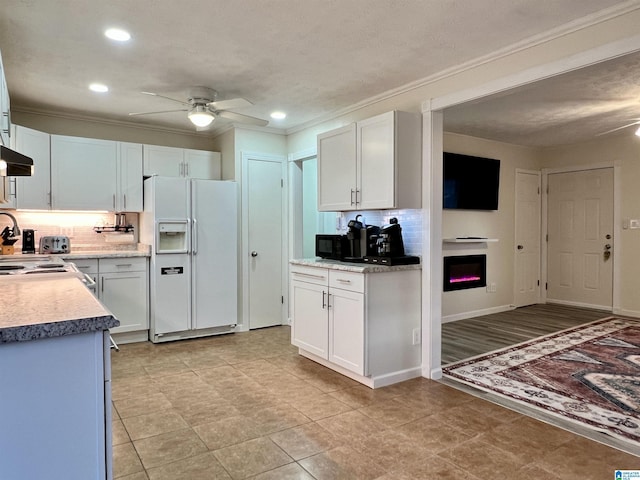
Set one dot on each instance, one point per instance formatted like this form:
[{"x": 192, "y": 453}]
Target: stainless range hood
[{"x": 14, "y": 164}]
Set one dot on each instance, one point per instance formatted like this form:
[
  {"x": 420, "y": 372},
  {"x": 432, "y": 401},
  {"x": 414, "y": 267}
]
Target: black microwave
[{"x": 335, "y": 247}]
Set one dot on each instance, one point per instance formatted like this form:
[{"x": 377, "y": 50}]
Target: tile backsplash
[
  {"x": 78, "y": 226},
  {"x": 409, "y": 220}
]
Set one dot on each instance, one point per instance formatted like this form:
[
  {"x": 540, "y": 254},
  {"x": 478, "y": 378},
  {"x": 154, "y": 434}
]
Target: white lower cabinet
[
  {"x": 359, "y": 324},
  {"x": 122, "y": 286}
]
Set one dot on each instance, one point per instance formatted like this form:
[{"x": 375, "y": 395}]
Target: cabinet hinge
[{"x": 282, "y": 299}]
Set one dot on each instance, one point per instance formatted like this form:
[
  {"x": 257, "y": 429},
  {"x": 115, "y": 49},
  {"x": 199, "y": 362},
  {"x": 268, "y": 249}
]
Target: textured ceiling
[
  {"x": 306, "y": 57},
  {"x": 564, "y": 109}
]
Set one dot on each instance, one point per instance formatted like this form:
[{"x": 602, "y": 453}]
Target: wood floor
[{"x": 467, "y": 338}]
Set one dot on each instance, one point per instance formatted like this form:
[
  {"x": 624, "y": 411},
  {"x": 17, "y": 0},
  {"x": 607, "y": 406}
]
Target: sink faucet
[{"x": 16, "y": 229}]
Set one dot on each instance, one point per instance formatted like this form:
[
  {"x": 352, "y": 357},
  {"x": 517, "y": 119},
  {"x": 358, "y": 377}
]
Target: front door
[
  {"x": 265, "y": 242},
  {"x": 580, "y": 213},
  {"x": 527, "y": 253}
]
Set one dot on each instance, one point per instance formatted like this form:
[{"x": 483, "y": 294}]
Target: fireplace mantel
[{"x": 469, "y": 240}]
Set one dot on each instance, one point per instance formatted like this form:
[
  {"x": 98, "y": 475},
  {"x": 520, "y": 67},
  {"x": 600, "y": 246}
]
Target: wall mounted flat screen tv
[{"x": 470, "y": 183}]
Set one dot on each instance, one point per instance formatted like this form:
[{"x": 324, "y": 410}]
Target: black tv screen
[{"x": 470, "y": 183}]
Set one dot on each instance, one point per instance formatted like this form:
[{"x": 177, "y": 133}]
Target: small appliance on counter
[
  {"x": 362, "y": 240},
  {"x": 332, "y": 246},
  {"x": 54, "y": 244},
  {"x": 28, "y": 240},
  {"x": 390, "y": 247}
]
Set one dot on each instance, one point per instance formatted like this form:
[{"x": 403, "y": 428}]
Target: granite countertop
[
  {"x": 352, "y": 267},
  {"x": 34, "y": 307}
]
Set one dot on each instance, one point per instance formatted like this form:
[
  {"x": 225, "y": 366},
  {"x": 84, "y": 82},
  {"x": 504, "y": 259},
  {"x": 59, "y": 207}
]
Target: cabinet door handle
[
  {"x": 352, "y": 193},
  {"x": 310, "y": 275},
  {"x": 186, "y": 166},
  {"x": 125, "y": 201},
  {"x": 122, "y": 265},
  {"x": 324, "y": 304},
  {"x": 14, "y": 180},
  {"x": 342, "y": 280},
  {"x": 102, "y": 284},
  {"x": 50, "y": 198},
  {"x": 114, "y": 201},
  {"x": 358, "y": 200},
  {"x": 329, "y": 300},
  {"x": 181, "y": 169}
]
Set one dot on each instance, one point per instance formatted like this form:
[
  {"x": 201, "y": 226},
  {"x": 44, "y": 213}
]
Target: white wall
[
  {"x": 623, "y": 149},
  {"x": 491, "y": 224},
  {"x": 106, "y": 130}
]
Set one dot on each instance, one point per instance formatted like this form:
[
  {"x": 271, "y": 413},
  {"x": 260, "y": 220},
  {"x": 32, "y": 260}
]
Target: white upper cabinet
[
  {"x": 83, "y": 173},
  {"x": 181, "y": 162},
  {"x": 5, "y": 109},
  {"x": 337, "y": 169},
  {"x": 162, "y": 161},
  {"x": 372, "y": 164},
  {"x": 34, "y": 192},
  {"x": 202, "y": 164},
  {"x": 129, "y": 174}
]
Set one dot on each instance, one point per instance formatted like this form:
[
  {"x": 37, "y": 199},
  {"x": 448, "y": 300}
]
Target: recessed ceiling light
[
  {"x": 278, "y": 115},
  {"x": 117, "y": 34},
  {"x": 98, "y": 87}
]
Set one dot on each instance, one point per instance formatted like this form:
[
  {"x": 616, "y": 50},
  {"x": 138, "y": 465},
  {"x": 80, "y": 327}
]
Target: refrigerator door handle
[{"x": 194, "y": 236}]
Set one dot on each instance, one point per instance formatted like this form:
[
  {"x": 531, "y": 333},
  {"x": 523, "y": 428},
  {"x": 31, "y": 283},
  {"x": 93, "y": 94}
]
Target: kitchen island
[
  {"x": 358, "y": 319},
  {"x": 55, "y": 391}
]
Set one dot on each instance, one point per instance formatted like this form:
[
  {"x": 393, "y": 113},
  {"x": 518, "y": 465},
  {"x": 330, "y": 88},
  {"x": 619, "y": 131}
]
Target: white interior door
[
  {"x": 264, "y": 193},
  {"x": 527, "y": 253},
  {"x": 580, "y": 217}
]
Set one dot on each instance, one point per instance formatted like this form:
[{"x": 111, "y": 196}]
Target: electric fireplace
[{"x": 464, "y": 271}]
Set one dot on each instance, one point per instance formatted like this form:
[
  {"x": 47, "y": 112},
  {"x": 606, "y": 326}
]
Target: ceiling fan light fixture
[
  {"x": 638, "y": 132},
  {"x": 278, "y": 115},
  {"x": 117, "y": 34},
  {"x": 200, "y": 116}
]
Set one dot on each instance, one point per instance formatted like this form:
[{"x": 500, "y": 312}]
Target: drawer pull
[
  {"x": 342, "y": 280},
  {"x": 310, "y": 275},
  {"x": 122, "y": 265}
]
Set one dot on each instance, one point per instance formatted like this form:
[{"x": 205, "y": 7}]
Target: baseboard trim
[
  {"x": 371, "y": 382},
  {"x": 477, "y": 313},
  {"x": 131, "y": 337},
  {"x": 626, "y": 313},
  {"x": 607, "y": 308}
]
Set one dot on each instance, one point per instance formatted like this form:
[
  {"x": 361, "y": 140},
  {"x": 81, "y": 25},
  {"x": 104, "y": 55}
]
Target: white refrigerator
[{"x": 191, "y": 226}]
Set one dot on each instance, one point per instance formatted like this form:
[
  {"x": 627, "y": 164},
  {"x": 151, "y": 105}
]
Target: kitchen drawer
[
  {"x": 354, "y": 282},
  {"x": 317, "y": 276},
  {"x": 124, "y": 264},
  {"x": 85, "y": 265}
]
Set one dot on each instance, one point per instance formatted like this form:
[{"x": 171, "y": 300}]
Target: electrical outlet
[
  {"x": 416, "y": 336},
  {"x": 66, "y": 231},
  {"x": 491, "y": 287}
]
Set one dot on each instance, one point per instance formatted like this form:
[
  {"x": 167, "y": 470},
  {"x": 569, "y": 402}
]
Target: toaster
[{"x": 54, "y": 244}]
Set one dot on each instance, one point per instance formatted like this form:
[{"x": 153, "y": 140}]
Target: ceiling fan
[
  {"x": 636, "y": 122},
  {"x": 202, "y": 108}
]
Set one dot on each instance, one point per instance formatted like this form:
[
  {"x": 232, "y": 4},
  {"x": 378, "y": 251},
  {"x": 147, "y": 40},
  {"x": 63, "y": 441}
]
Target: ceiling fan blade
[
  {"x": 619, "y": 128},
  {"x": 229, "y": 104},
  {"x": 237, "y": 117},
  {"x": 162, "y": 96},
  {"x": 162, "y": 111}
]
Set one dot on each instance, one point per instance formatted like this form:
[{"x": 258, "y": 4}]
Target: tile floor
[{"x": 247, "y": 406}]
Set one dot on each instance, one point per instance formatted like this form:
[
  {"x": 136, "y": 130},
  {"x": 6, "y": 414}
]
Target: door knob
[
  {"x": 607, "y": 247},
  {"x": 254, "y": 254},
  {"x": 520, "y": 247}
]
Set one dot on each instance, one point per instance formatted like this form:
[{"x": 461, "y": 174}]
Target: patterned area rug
[{"x": 588, "y": 374}]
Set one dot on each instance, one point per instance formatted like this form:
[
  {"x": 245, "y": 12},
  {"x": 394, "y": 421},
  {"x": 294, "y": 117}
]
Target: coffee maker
[
  {"x": 389, "y": 247},
  {"x": 362, "y": 240},
  {"x": 390, "y": 242}
]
